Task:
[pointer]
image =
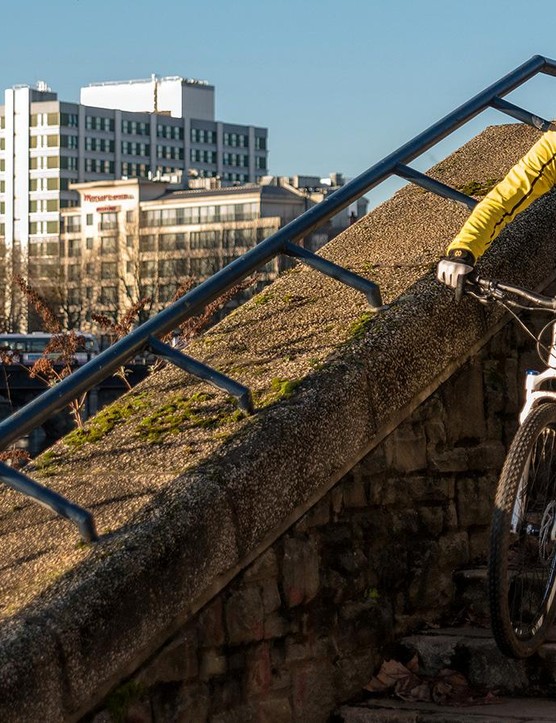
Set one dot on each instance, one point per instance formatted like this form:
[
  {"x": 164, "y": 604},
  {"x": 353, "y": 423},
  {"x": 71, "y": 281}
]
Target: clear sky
[{"x": 338, "y": 83}]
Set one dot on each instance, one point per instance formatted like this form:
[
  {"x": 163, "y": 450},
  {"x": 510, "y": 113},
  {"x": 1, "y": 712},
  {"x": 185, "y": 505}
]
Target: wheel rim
[{"x": 532, "y": 551}]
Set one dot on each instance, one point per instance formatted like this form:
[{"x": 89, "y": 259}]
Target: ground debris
[{"x": 448, "y": 687}]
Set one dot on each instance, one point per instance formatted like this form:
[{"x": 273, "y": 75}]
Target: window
[
  {"x": 108, "y": 270},
  {"x": 201, "y": 135},
  {"x": 236, "y": 140},
  {"x": 66, "y": 162},
  {"x": 89, "y": 219},
  {"x": 74, "y": 248},
  {"x": 260, "y": 143},
  {"x": 171, "y": 241},
  {"x": 101, "y": 145},
  {"x": 73, "y": 224},
  {"x": 107, "y": 245},
  {"x": 168, "y": 131},
  {"x": 74, "y": 296},
  {"x": 147, "y": 243},
  {"x": 52, "y": 184},
  {"x": 147, "y": 269},
  {"x": 201, "y": 156},
  {"x": 129, "y": 240},
  {"x": 133, "y": 148},
  {"x": 108, "y": 221},
  {"x": 97, "y": 165},
  {"x": 129, "y": 216},
  {"x": 261, "y": 163},
  {"x": 136, "y": 128},
  {"x": 99, "y": 123},
  {"x": 74, "y": 272},
  {"x": 89, "y": 243},
  {"x": 108, "y": 294},
  {"x": 235, "y": 159},
  {"x": 70, "y": 120}
]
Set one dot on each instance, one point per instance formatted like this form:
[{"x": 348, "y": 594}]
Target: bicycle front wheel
[{"x": 522, "y": 560}]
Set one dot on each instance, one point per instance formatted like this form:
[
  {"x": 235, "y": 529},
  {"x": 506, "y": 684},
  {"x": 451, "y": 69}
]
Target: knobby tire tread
[{"x": 520, "y": 449}]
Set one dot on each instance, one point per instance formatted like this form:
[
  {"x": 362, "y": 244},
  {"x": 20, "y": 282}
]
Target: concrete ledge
[{"x": 162, "y": 557}]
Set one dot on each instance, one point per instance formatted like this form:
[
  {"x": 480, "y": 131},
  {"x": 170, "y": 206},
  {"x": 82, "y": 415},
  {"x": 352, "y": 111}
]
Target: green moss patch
[{"x": 105, "y": 421}]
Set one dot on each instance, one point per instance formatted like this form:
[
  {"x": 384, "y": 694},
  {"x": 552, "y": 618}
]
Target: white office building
[{"x": 149, "y": 129}]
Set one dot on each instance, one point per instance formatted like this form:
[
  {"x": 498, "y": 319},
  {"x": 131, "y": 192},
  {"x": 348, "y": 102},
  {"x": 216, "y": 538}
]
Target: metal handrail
[{"x": 281, "y": 242}]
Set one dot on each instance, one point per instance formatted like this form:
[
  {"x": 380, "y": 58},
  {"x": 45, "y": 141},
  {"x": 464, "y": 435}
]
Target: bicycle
[{"x": 522, "y": 552}]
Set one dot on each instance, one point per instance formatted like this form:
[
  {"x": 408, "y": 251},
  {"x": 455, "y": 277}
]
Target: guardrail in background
[{"x": 146, "y": 336}]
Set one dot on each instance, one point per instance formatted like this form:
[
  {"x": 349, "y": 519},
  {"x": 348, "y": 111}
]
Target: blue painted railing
[{"x": 146, "y": 336}]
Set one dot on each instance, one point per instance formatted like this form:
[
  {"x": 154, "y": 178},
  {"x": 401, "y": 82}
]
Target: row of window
[
  {"x": 235, "y": 159},
  {"x": 97, "y": 165},
  {"x": 142, "y": 128},
  {"x": 102, "y": 145},
  {"x": 200, "y": 214},
  {"x": 133, "y": 148},
  {"x": 48, "y": 184},
  {"x": 201, "y": 156}
]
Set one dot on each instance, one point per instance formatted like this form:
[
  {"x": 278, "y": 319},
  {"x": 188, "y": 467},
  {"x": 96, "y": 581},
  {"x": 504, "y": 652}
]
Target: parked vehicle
[{"x": 27, "y": 348}]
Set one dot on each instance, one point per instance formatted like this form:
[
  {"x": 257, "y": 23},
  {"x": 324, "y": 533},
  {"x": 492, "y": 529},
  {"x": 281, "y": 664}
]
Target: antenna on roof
[{"x": 155, "y": 92}]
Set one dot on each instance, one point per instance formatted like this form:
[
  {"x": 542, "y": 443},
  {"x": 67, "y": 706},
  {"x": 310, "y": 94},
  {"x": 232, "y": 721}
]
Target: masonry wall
[{"x": 306, "y": 625}]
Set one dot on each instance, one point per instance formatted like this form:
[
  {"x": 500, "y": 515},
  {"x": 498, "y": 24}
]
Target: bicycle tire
[{"x": 522, "y": 562}]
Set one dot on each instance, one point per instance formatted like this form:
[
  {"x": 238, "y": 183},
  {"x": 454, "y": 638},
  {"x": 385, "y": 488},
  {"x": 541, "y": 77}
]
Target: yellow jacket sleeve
[{"x": 531, "y": 177}]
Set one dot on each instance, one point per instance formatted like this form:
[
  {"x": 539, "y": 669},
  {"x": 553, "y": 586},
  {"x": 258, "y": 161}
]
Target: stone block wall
[{"x": 306, "y": 624}]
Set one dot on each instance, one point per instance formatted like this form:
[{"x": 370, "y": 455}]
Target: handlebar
[{"x": 490, "y": 290}]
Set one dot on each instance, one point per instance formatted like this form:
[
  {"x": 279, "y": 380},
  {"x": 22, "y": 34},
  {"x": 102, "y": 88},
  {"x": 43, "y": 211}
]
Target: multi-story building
[
  {"x": 134, "y": 238},
  {"x": 136, "y": 129}
]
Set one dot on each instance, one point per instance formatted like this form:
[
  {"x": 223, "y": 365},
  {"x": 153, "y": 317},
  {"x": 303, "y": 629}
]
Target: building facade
[
  {"x": 165, "y": 127},
  {"x": 134, "y": 239}
]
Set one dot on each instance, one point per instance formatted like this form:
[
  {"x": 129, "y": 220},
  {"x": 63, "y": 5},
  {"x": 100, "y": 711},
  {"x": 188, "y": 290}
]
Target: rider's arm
[{"x": 531, "y": 177}]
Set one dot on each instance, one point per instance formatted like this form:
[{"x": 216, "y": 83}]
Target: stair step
[
  {"x": 510, "y": 710},
  {"x": 473, "y": 652}
]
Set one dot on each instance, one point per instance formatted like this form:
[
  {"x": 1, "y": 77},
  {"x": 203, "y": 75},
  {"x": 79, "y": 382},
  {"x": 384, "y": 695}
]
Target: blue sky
[{"x": 339, "y": 84}]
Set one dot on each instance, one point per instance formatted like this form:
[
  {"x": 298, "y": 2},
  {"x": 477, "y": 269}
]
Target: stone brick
[
  {"x": 475, "y": 501},
  {"x": 263, "y": 568},
  {"x": 313, "y": 691},
  {"x": 405, "y": 449},
  {"x": 354, "y": 493},
  {"x": 449, "y": 460},
  {"x": 432, "y": 519},
  {"x": 259, "y": 673},
  {"x": 274, "y": 710},
  {"x": 486, "y": 456},
  {"x": 373, "y": 463},
  {"x": 450, "y": 517},
  {"x": 454, "y": 551},
  {"x": 464, "y": 401},
  {"x": 478, "y": 544},
  {"x": 271, "y": 596},
  {"x": 300, "y": 570},
  {"x": 435, "y": 431},
  {"x": 176, "y": 662},
  {"x": 275, "y": 626},
  {"x": 336, "y": 500},
  {"x": 213, "y": 662},
  {"x": 317, "y": 516},
  {"x": 245, "y": 616},
  {"x": 182, "y": 705},
  {"x": 211, "y": 624}
]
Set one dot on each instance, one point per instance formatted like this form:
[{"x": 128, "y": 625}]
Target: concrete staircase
[{"x": 500, "y": 689}]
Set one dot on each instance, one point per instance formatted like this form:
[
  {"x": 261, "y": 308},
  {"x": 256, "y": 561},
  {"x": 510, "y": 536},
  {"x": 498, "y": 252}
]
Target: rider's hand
[{"x": 453, "y": 269}]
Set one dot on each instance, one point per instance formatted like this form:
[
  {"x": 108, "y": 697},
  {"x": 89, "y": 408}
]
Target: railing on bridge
[{"x": 147, "y": 336}]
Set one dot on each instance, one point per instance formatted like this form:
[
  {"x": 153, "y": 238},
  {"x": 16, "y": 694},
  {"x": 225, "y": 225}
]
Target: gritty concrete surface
[
  {"x": 183, "y": 498},
  {"x": 500, "y": 710}
]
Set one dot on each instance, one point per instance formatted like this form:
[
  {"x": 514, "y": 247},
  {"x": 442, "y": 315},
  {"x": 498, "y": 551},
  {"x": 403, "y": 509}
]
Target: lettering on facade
[{"x": 107, "y": 197}]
